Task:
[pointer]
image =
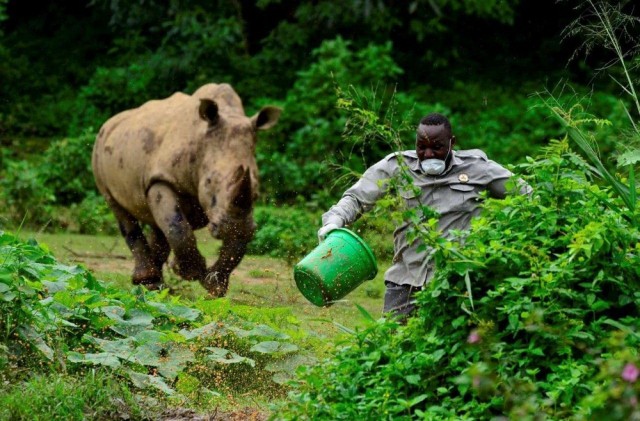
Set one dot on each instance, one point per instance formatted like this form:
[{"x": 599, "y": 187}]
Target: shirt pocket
[
  {"x": 463, "y": 197},
  {"x": 411, "y": 198}
]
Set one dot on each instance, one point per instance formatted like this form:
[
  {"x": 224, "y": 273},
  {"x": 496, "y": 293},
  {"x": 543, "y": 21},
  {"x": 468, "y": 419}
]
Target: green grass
[
  {"x": 62, "y": 397},
  {"x": 262, "y": 290},
  {"x": 258, "y": 281}
]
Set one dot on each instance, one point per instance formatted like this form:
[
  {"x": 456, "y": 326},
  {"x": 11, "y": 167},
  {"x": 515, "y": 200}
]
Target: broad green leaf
[
  {"x": 123, "y": 348},
  {"x": 290, "y": 363},
  {"x": 169, "y": 358},
  {"x": 180, "y": 312},
  {"x": 260, "y": 330},
  {"x": 413, "y": 379},
  {"x": 6, "y": 293},
  {"x": 55, "y": 286},
  {"x": 35, "y": 338},
  {"x": 128, "y": 323},
  {"x": 269, "y": 347},
  {"x": 224, "y": 356},
  {"x": 131, "y": 317},
  {"x": 144, "y": 381},
  {"x": 151, "y": 336},
  {"x": 417, "y": 400},
  {"x": 631, "y": 157},
  {"x": 211, "y": 329},
  {"x": 281, "y": 377},
  {"x": 102, "y": 358}
]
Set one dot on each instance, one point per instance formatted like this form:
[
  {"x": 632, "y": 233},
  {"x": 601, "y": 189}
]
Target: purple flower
[
  {"x": 474, "y": 337},
  {"x": 630, "y": 373}
]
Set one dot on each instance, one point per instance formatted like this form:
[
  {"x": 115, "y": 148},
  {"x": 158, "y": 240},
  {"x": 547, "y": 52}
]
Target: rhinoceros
[{"x": 177, "y": 165}]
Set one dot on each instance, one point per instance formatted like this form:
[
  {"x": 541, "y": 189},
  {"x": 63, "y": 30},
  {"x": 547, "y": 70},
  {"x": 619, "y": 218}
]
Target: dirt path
[{"x": 258, "y": 281}]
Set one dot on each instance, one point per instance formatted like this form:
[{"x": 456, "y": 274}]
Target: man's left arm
[{"x": 499, "y": 188}]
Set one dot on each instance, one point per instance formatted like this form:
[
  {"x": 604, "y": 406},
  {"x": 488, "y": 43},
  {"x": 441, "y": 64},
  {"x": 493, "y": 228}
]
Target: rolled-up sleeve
[
  {"x": 498, "y": 188},
  {"x": 361, "y": 197}
]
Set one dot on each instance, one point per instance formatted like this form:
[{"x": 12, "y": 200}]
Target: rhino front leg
[
  {"x": 171, "y": 220},
  {"x": 233, "y": 249},
  {"x": 145, "y": 272}
]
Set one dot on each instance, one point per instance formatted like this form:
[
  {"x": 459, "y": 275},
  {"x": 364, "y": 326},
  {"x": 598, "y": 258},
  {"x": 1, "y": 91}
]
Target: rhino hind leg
[
  {"x": 165, "y": 206},
  {"x": 159, "y": 246},
  {"x": 146, "y": 271}
]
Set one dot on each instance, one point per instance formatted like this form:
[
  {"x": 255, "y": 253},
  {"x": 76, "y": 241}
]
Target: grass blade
[
  {"x": 467, "y": 282},
  {"x": 365, "y": 313}
]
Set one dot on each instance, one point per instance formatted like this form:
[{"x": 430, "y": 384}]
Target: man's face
[{"x": 433, "y": 142}]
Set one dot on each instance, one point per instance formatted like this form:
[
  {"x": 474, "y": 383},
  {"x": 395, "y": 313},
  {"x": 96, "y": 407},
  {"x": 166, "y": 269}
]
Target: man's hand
[{"x": 322, "y": 232}]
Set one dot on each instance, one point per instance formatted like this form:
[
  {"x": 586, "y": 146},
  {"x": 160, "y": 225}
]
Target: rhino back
[
  {"x": 136, "y": 142},
  {"x": 224, "y": 95}
]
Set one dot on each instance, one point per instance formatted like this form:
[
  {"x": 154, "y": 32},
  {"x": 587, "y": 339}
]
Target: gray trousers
[{"x": 399, "y": 300}]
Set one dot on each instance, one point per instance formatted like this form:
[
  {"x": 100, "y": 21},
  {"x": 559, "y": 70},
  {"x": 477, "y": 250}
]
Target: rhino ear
[
  {"x": 266, "y": 118},
  {"x": 208, "y": 111}
]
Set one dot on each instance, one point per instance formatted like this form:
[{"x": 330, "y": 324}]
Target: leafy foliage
[
  {"x": 58, "y": 397},
  {"x": 538, "y": 318},
  {"x": 284, "y": 232},
  {"x": 61, "y": 176},
  {"x": 312, "y": 119},
  {"x": 58, "y": 317}
]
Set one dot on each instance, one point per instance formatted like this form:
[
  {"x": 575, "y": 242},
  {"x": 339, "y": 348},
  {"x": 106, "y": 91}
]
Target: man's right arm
[{"x": 361, "y": 197}]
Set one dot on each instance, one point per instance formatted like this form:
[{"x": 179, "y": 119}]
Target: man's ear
[{"x": 453, "y": 141}]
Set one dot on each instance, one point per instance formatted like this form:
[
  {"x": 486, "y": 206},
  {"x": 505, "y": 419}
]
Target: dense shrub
[
  {"x": 24, "y": 193},
  {"x": 91, "y": 216},
  {"x": 66, "y": 168},
  {"x": 298, "y": 157},
  {"x": 535, "y": 316},
  {"x": 285, "y": 232},
  {"x": 59, "y": 317},
  {"x": 109, "y": 91},
  {"x": 60, "y": 177}
]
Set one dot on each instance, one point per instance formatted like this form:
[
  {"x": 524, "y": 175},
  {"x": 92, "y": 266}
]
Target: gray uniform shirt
[{"x": 454, "y": 194}]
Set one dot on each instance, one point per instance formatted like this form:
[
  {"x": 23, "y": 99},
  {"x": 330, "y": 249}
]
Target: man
[{"x": 448, "y": 181}]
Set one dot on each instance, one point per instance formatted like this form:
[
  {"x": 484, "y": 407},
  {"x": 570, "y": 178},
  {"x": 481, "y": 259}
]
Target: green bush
[
  {"x": 109, "y": 91},
  {"x": 36, "y": 189},
  {"x": 91, "y": 396},
  {"x": 312, "y": 125},
  {"x": 91, "y": 216},
  {"x": 285, "y": 232},
  {"x": 534, "y": 316},
  {"x": 66, "y": 169},
  {"x": 25, "y": 194},
  {"x": 55, "y": 317}
]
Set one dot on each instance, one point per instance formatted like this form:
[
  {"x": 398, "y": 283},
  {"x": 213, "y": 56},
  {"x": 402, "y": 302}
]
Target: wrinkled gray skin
[{"x": 177, "y": 165}]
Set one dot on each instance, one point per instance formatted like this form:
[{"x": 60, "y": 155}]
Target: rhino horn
[{"x": 242, "y": 201}]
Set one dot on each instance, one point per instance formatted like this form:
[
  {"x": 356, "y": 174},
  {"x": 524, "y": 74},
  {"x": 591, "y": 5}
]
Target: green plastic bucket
[{"x": 335, "y": 268}]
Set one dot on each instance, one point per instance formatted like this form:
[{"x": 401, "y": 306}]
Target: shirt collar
[{"x": 453, "y": 162}]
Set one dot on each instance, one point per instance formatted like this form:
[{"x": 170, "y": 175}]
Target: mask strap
[{"x": 448, "y": 152}]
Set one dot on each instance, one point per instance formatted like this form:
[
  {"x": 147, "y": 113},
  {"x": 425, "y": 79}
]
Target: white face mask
[{"x": 435, "y": 166}]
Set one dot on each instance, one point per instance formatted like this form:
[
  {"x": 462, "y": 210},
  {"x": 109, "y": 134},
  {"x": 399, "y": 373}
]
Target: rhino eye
[{"x": 213, "y": 201}]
